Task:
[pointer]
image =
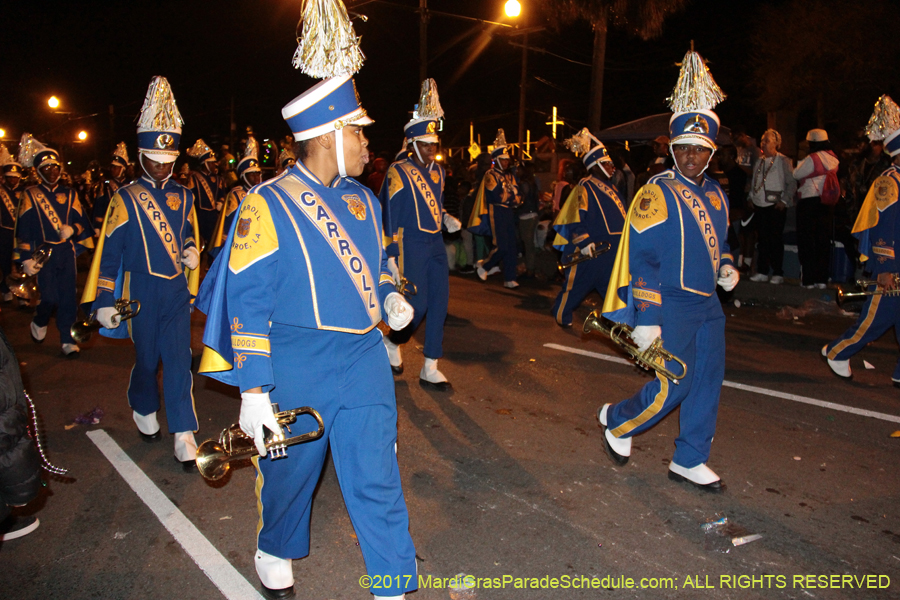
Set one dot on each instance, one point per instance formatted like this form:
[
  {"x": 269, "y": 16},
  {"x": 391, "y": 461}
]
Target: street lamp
[
  {"x": 2, "y": 133},
  {"x": 53, "y": 102},
  {"x": 512, "y": 8},
  {"x": 82, "y": 135}
]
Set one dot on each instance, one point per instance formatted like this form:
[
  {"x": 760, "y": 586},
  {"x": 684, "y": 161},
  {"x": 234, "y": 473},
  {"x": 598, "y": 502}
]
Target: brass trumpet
[
  {"x": 25, "y": 286},
  {"x": 844, "y": 297},
  {"x": 81, "y": 331},
  {"x": 620, "y": 333},
  {"x": 214, "y": 456},
  {"x": 407, "y": 287},
  {"x": 577, "y": 257}
]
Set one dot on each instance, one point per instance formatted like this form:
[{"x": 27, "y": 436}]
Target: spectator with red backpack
[{"x": 818, "y": 191}]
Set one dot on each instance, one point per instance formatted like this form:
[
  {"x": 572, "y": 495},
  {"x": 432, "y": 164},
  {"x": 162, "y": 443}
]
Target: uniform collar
[{"x": 154, "y": 184}]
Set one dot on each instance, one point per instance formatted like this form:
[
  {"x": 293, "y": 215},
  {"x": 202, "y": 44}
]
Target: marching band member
[
  {"x": 147, "y": 252},
  {"x": 109, "y": 187},
  {"x": 593, "y": 214},
  {"x": 286, "y": 160},
  {"x": 50, "y": 213},
  {"x": 249, "y": 174},
  {"x": 10, "y": 192},
  {"x": 292, "y": 305},
  {"x": 672, "y": 255},
  {"x": 878, "y": 228},
  {"x": 414, "y": 214},
  {"x": 208, "y": 188},
  {"x": 493, "y": 214}
]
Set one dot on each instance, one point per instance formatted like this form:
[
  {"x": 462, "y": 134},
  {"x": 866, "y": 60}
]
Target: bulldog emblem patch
[{"x": 356, "y": 206}]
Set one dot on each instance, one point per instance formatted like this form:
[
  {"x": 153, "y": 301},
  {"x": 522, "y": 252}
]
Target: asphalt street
[{"x": 505, "y": 477}]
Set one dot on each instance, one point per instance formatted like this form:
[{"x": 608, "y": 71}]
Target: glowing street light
[
  {"x": 512, "y": 8},
  {"x": 53, "y": 102},
  {"x": 82, "y": 135},
  {"x": 2, "y": 133}
]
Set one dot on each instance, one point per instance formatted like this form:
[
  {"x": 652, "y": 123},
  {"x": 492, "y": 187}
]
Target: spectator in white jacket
[
  {"x": 813, "y": 217},
  {"x": 772, "y": 188}
]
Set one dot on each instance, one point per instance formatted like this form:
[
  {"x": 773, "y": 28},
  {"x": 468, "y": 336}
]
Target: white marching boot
[
  {"x": 394, "y": 357},
  {"x": 275, "y": 574},
  {"x": 618, "y": 449},
  {"x": 841, "y": 368},
  {"x": 700, "y": 476},
  {"x": 147, "y": 426},
  {"x": 430, "y": 377},
  {"x": 186, "y": 450}
]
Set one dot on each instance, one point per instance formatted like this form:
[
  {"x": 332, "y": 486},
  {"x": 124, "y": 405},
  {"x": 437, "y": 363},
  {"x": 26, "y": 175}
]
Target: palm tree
[{"x": 643, "y": 18}]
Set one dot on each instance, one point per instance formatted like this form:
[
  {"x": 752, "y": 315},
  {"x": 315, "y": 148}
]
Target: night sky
[{"x": 94, "y": 55}]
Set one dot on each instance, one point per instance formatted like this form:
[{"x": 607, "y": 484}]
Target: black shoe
[
  {"x": 443, "y": 386},
  {"x": 150, "y": 437},
  {"x": 188, "y": 466},
  {"x": 716, "y": 487},
  {"x": 896, "y": 383},
  {"x": 467, "y": 270},
  {"x": 287, "y": 592},
  {"x": 397, "y": 370},
  {"x": 14, "y": 527},
  {"x": 618, "y": 459},
  {"x": 564, "y": 325}
]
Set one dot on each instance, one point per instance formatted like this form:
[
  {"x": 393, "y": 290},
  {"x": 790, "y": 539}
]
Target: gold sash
[
  {"x": 8, "y": 202},
  {"x": 700, "y": 213},
  {"x": 202, "y": 180},
  {"x": 47, "y": 208},
  {"x": 161, "y": 226},
  {"x": 419, "y": 184}
]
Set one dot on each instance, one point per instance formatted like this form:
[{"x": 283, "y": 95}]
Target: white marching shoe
[
  {"x": 186, "y": 450},
  {"x": 38, "y": 333},
  {"x": 701, "y": 477},
  {"x": 394, "y": 357},
  {"x": 511, "y": 284},
  {"x": 147, "y": 426},
  {"x": 70, "y": 350},
  {"x": 275, "y": 574},
  {"x": 618, "y": 449},
  {"x": 841, "y": 368},
  {"x": 430, "y": 377}
]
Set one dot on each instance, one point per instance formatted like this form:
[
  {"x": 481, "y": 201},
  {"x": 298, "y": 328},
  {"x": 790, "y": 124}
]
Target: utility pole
[
  {"x": 522, "y": 83},
  {"x": 423, "y": 40}
]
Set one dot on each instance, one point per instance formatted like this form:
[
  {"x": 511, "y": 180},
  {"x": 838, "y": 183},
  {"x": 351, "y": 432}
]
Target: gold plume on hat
[
  {"x": 885, "y": 119},
  {"x": 580, "y": 143},
  {"x": 251, "y": 150},
  {"x": 121, "y": 151},
  {"x": 28, "y": 149},
  {"x": 500, "y": 140},
  {"x": 5, "y": 156},
  {"x": 328, "y": 45},
  {"x": 696, "y": 89},
  {"x": 199, "y": 149}
]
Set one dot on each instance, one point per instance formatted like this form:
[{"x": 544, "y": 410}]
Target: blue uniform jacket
[
  {"x": 43, "y": 212},
  {"x": 207, "y": 190},
  {"x": 226, "y": 217},
  {"x": 9, "y": 207},
  {"x": 108, "y": 189},
  {"x": 498, "y": 188},
  {"x": 593, "y": 212},
  {"x": 413, "y": 202},
  {"x": 877, "y": 226},
  {"x": 675, "y": 238},
  {"x": 300, "y": 253}
]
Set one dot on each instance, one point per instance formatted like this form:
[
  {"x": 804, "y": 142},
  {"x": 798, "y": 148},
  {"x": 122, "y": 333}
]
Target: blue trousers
[
  {"x": 57, "y": 282},
  {"x": 423, "y": 261},
  {"x": 693, "y": 329},
  {"x": 503, "y": 228},
  {"x": 581, "y": 280},
  {"x": 161, "y": 332},
  {"x": 206, "y": 224},
  {"x": 879, "y": 314},
  {"x": 346, "y": 377}
]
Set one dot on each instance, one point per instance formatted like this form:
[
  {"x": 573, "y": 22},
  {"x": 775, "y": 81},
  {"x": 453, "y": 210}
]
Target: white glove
[
  {"x": 190, "y": 257},
  {"x": 394, "y": 269},
  {"x": 588, "y": 250},
  {"x": 256, "y": 411},
  {"x": 30, "y": 267},
  {"x": 643, "y": 335},
  {"x": 109, "y": 317},
  {"x": 452, "y": 223},
  {"x": 65, "y": 232},
  {"x": 398, "y": 310},
  {"x": 219, "y": 205},
  {"x": 728, "y": 277}
]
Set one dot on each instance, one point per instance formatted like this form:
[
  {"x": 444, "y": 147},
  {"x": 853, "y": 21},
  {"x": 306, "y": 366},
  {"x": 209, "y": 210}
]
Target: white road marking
[
  {"x": 747, "y": 388},
  {"x": 230, "y": 582}
]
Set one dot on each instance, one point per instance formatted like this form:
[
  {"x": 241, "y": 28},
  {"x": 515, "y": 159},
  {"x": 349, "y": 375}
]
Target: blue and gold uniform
[
  {"x": 208, "y": 188},
  {"x": 43, "y": 211},
  {"x": 592, "y": 214},
  {"x": 665, "y": 274},
  {"x": 10, "y": 171},
  {"x": 139, "y": 257},
  {"x": 248, "y": 165},
  {"x": 878, "y": 229},
  {"x": 413, "y": 197},
  {"x": 493, "y": 214},
  {"x": 292, "y": 305}
]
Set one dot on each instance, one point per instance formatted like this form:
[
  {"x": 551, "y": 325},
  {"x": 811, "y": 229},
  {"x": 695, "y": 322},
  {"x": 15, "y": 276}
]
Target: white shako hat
[
  {"x": 593, "y": 149},
  {"x": 425, "y": 122},
  {"x": 328, "y": 49},
  {"x": 692, "y": 101},
  {"x": 159, "y": 126},
  {"x": 250, "y": 162}
]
